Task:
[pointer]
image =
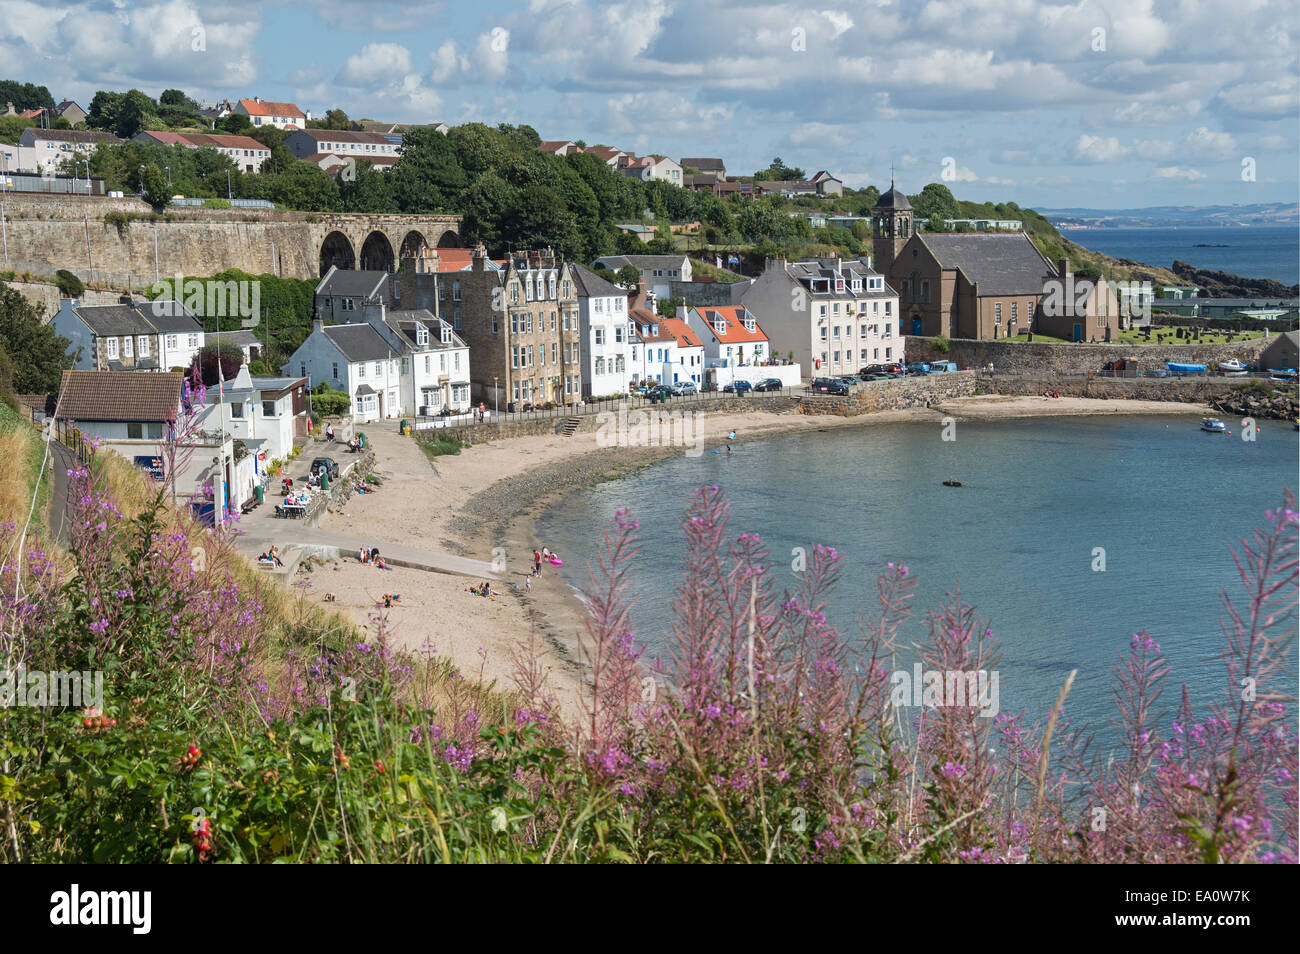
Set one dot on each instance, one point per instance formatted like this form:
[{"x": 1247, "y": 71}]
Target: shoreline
[{"x": 492, "y": 495}]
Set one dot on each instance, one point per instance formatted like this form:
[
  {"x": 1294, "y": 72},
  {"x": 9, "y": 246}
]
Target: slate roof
[
  {"x": 703, "y": 163},
  {"x": 1007, "y": 264},
  {"x": 893, "y": 199},
  {"x": 239, "y": 338},
  {"x": 590, "y": 284},
  {"x": 119, "y": 396},
  {"x": 342, "y": 135},
  {"x": 354, "y": 283},
  {"x": 73, "y": 135},
  {"x": 111, "y": 321},
  {"x": 359, "y": 342},
  {"x": 641, "y": 262},
  {"x": 170, "y": 316}
]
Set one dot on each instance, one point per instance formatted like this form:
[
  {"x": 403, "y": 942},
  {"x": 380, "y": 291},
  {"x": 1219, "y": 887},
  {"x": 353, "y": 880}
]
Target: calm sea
[
  {"x": 1163, "y": 499},
  {"x": 1255, "y": 252}
]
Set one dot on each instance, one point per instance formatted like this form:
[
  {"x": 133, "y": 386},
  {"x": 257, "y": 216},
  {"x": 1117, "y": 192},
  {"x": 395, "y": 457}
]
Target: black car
[
  {"x": 769, "y": 384},
  {"x": 738, "y": 387},
  {"x": 829, "y": 386},
  {"x": 326, "y": 465},
  {"x": 659, "y": 393}
]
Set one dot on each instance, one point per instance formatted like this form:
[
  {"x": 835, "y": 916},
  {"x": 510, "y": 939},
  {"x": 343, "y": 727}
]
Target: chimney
[
  {"x": 681, "y": 312},
  {"x": 479, "y": 258}
]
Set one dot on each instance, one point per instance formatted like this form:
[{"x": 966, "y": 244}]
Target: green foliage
[
  {"x": 38, "y": 355},
  {"x": 70, "y": 286},
  {"x": 939, "y": 344},
  {"x": 935, "y": 200},
  {"x": 441, "y": 443},
  {"x": 25, "y": 96},
  {"x": 778, "y": 171},
  {"x": 629, "y": 275},
  {"x": 156, "y": 192},
  {"x": 11, "y": 128},
  {"x": 328, "y": 402}
]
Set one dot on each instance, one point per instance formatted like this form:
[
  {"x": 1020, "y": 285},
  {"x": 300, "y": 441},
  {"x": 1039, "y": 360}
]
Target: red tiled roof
[
  {"x": 735, "y": 326},
  {"x": 682, "y": 332},
  {"x": 265, "y": 108}
]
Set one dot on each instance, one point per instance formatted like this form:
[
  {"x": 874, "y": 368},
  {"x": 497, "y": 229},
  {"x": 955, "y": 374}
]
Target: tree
[
  {"x": 337, "y": 119},
  {"x": 104, "y": 107},
  {"x": 628, "y": 275},
  {"x": 70, "y": 286},
  {"x": 935, "y": 223},
  {"x": 935, "y": 199},
  {"x": 236, "y": 124},
  {"x": 156, "y": 192},
  {"x": 134, "y": 112},
  {"x": 172, "y": 97},
  {"x": 230, "y": 360},
  {"x": 25, "y": 96},
  {"x": 39, "y": 355},
  {"x": 778, "y": 171}
]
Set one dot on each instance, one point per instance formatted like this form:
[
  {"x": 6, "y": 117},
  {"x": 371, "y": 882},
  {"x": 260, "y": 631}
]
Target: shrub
[
  {"x": 216, "y": 204},
  {"x": 939, "y": 344},
  {"x": 70, "y": 286},
  {"x": 328, "y": 402}
]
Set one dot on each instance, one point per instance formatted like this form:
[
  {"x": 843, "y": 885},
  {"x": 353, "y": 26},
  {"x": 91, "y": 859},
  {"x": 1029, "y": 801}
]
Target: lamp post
[
  {"x": 141, "y": 179},
  {"x": 169, "y": 176},
  {"x": 496, "y": 402},
  {"x": 229, "y": 194}
]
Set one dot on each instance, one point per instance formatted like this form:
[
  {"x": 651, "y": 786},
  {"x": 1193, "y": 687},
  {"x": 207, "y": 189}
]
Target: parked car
[
  {"x": 866, "y": 373},
  {"x": 769, "y": 384},
  {"x": 940, "y": 367},
  {"x": 658, "y": 393},
  {"x": 1157, "y": 373},
  {"x": 829, "y": 386},
  {"x": 738, "y": 387},
  {"x": 326, "y": 465},
  {"x": 685, "y": 387},
  {"x": 918, "y": 367}
]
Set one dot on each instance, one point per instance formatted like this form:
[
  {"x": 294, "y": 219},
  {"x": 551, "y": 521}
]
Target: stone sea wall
[{"x": 1019, "y": 357}]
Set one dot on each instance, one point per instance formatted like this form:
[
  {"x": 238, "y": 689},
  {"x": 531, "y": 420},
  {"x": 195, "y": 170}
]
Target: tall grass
[{"x": 248, "y": 726}]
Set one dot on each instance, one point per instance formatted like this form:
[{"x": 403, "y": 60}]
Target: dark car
[
  {"x": 872, "y": 369},
  {"x": 326, "y": 465},
  {"x": 769, "y": 384},
  {"x": 738, "y": 387},
  {"x": 829, "y": 386},
  {"x": 658, "y": 393}
]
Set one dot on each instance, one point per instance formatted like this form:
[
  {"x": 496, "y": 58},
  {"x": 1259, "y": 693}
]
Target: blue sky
[{"x": 1103, "y": 105}]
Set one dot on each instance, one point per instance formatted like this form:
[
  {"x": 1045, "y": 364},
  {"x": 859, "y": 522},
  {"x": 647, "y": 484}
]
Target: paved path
[{"x": 395, "y": 456}]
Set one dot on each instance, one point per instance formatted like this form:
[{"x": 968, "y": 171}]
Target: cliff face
[{"x": 1225, "y": 285}]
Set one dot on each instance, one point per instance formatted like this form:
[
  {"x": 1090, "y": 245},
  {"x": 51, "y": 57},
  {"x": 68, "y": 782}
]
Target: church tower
[{"x": 891, "y": 227}]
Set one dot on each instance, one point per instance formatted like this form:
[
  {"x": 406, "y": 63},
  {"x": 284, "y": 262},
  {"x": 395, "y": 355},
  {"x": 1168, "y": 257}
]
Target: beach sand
[{"x": 490, "y": 495}]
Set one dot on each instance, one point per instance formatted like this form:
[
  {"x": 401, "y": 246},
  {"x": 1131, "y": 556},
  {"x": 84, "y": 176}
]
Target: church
[{"x": 981, "y": 285}]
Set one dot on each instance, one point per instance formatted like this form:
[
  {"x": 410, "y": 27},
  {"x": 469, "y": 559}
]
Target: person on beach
[
  {"x": 329, "y": 433},
  {"x": 537, "y": 563},
  {"x": 274, "y": 554}
]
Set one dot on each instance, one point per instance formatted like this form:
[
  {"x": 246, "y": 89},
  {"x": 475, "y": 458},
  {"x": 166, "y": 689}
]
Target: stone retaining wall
[
  {"x": 1261, "y": 401},
  {"x": 1020, "y": 357},
  {"x": 921, "y": 391}
]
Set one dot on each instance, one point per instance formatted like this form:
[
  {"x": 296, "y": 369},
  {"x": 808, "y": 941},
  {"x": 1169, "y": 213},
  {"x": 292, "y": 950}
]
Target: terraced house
[
  {"x": 129, "y": 336},
  {"x": 521, "y": 323},
  {"x": 834, "y": 316}
]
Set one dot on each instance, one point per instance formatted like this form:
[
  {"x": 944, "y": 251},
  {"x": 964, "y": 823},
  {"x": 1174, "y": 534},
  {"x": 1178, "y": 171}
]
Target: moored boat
[
  {"x": 1213, "y": 425},
  {"x": 1232, "y": 366}
]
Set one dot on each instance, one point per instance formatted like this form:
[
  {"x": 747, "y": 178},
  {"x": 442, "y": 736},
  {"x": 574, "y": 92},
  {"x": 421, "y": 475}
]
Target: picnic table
[{"x": 291, "y": 510}]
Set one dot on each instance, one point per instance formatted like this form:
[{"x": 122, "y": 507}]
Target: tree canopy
[{"x": 39, "y": 356}]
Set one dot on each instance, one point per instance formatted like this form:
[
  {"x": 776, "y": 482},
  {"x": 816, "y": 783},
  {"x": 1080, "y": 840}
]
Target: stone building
[{"x": 519, "y": 319}]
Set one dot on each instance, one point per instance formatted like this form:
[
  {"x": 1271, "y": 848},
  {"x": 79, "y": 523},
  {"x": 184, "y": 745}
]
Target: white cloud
[
  {"x": 1098, "y": 149},
  {"x": 1177, "y": 172},
  {"x": 376, "y": 63}
]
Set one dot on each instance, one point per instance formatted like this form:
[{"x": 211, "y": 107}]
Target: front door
[
  {"x": 1078, "y": 332},
  {"x": 916, "y": 326}
]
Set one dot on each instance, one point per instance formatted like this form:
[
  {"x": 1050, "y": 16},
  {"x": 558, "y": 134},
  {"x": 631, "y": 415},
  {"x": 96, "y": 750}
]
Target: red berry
[
  {"x": 87, "y": 722},
  {"x": 194, "y": 751}
]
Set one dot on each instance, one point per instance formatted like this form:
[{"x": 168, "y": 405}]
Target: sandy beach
[{"x": 490, "y": 495}]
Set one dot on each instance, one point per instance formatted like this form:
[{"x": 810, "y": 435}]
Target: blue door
[
  {"x": 1078, "y": 332},
  {"x": 916, "y": 327}
]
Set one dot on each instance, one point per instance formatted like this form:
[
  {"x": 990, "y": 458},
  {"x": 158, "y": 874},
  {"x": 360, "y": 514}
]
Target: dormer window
[
  {"x": 446, "y": 333},
  {"x": 839, "y": 284},
  {"x": 421, "y": 336},
  {"x": 552, "y": 287},
  {"x": 749, "y": 323},
  {"x": 720, "y": 327},
  {"x": 528, "y": 288},
  {"x": 857, "y": 284}
]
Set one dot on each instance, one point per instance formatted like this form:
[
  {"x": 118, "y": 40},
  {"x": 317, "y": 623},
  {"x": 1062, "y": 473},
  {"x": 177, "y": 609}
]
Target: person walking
[
  {"x": 329, "y": 433},
  {"x": 537, "y": 563}
]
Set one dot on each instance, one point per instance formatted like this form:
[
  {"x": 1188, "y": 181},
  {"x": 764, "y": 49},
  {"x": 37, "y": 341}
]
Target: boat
[
  {"x": 1176, "y": 367},
  {"x": 1213, "y": 425},
  {"x": 1232, "y": 366},
  {"x": 953, "y": 483}
]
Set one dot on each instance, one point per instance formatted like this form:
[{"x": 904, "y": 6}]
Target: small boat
[
  {"x": 1213, "y": 425},
  {"x": 1232, "y": 366},
  {"x": 953, "y": 483}
]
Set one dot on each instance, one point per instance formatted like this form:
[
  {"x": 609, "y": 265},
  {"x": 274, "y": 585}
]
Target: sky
[{"x": 1122, "y": 104}]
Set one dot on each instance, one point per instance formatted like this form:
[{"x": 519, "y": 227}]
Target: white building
[
  {"x": 260, "y": 112},
  {"x": 357, "y": 360},
  {"x": 657, "y": 271},
  {"x": 835, "y": 316},
  {"x": 602, "y": 316},
  {"x": 42, "y": 150},
  {"x": 434, "y": 369},
  {"x": 646, "y": 168},
  {"x": 306, "y": 143},
  {"x": 264, "y": 414},
  {"x": 667, "y": 350},
  {"x": 246, "y": 152},
  {"x": 730, "y": 335}
]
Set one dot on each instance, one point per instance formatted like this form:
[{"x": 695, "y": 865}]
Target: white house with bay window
[
  {"x": 606, "y": 335},
  {"x": 434, "y": 361},
  {"x": 357, "y": 360}
]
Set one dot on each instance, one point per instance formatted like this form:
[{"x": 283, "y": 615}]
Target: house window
[
  {"x": 889, "y": 353},
  {"x": 336, "y": 370},
  {"x": 110, "y": 348},
  {"x": 134, "y": 431},
  {"x": 552, "y": 319},
  {"x": 421, "y": 336},
  {"x": 835, "y": 333},
  {"x": 455, "y": 291},
  {"x": 268, "y": 409},
  {"x": 997, "y": 313},
  {"x": 379, "y": 369},
  {"x": 442, "y": 363},
  {"x": 446, "y": 334},
  {"x": 554, "y": 353},
  {"x": 193, "y": 341},
  {"x": 237, "y": 409},
  {"x": 514, "y": 297},
  {"x": 863, "y": 332},
  {"x": 126, "y": 347},
  {"x": 455, "y": 360},
  {"x": 889, "y": 308},
  {"x": 361, "y": 370},
  {"x": 514, "y": 357},
  {"x": 598, "y": 336},
  {"x": 1014, "y": 304},
  {"x": 142, "y": 346},
  {"x": 171, "y": 342},
  {"x": 618, "y": 334},
  {"x": 494, "y": 322},
  {"x": 428, "y": 366},
  {"x": 456, "y": 320}
]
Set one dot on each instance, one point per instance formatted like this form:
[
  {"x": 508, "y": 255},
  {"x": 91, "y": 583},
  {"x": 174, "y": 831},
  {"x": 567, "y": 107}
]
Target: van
[{"x": 938, "y": 367}]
